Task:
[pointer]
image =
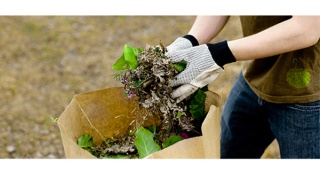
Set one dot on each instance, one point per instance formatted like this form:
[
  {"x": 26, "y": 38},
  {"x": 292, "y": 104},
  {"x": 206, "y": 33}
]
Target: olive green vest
[{"x": 292, "y": 77}]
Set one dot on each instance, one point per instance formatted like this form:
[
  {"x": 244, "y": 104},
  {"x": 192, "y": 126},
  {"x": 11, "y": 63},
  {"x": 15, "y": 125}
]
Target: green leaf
[
  {"x": 120, "y": 63},
  {"x": 183, "y": 63},
  {"x": 85, "y": 141},
  {"x": 194, "y": 106},
  {"x": 145, "y": 143},
  {"x": 205, "y": 88},
  {"x": 130, "y": 54},
  {"x": 197, "y": 114},
  {"x": 93, "y": 152},
  {"x": 179, "y": 114},
  {"x": 181, "y": 66},
  {"x": 118, "y": 156},
  {"x": 197, "y": 105},
  {"x": 139, "y": 50},
  {"x": 133, "y": 65},
  {"x": 172, "y": 140},
  {"x": 153, "y": 128}
]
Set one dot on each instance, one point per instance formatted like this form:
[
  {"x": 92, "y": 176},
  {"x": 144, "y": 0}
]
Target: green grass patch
[{"x": 30, "y": 28}]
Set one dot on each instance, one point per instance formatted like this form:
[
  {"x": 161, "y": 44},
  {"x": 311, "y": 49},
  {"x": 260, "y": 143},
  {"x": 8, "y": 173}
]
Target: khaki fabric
[{"x": 292, "y": 77}]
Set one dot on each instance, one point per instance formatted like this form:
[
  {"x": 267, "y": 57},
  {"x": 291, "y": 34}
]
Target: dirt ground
[{"x": 45, "y": 61}]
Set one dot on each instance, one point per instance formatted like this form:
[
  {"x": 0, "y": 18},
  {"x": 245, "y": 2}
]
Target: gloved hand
[
  {"x": 181, "y": 43},
  {"x": 204, "y": 64}
]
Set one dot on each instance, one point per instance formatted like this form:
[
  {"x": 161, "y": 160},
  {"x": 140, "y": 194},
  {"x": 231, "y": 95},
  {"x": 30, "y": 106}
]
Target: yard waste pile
[
  {"x": 98, "y": 110},
  {"x": 141, "y": 119}
]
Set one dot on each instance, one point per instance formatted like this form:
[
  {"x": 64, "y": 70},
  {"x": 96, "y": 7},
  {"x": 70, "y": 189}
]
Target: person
[{"x": 277, "y": 94}]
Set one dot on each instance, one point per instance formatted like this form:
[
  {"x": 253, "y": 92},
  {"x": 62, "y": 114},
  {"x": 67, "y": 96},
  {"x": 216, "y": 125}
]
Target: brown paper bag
[{"x": 105, "y": 113}]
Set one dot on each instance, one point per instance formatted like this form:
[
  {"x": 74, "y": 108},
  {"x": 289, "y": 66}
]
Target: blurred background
[{"x": 45, "y": 61}]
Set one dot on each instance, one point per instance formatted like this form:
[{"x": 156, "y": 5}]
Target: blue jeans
[{"x": 249, "y": 124}]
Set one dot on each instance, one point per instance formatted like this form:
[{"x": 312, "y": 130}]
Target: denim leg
[
  {"x": 297, "y": 129},
  {"x": 245, "y": 131}
]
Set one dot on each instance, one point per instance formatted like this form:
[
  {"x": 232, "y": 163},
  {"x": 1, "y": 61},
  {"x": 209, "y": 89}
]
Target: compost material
[{"x": 149, "y": 83}]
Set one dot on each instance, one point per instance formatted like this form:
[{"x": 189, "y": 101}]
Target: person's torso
[{"x": 292, "y": 77}]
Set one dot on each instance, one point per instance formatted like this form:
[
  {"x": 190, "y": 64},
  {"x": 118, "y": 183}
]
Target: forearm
[
  {"x": 293, "y": 34},
  {"x": 205, "y": 28}
]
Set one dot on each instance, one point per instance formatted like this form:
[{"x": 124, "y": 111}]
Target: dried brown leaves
[
  {"x": 124, "y": 145},
  {"x": 150, "y": 82}
]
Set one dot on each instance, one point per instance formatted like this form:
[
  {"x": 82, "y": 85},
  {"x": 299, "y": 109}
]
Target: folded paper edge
[{"x": 211, "y": 133}]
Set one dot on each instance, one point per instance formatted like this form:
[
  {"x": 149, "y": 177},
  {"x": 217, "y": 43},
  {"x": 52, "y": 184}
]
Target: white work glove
[
  {"x": 181, "y": 43},
  {"x": 201, "y": 67}
]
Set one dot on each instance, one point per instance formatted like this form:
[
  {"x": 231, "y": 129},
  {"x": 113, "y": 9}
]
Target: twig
[{"x": 132, "y": 122}]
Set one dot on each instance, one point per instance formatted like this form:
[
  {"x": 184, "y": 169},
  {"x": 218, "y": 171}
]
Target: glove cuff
[
  {"x": 192, "y": 39},
  {"x": 221, "y": 53}
]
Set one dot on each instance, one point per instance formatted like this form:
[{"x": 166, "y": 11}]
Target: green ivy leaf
[
  {"x": 172, "y": 140},
  {"x": 130, "y": 54},
  {"x": 85, "y": 141},
  {"x": 120, "y": 63},
  {"x": 197, "y": 105},
  {"x": 118, "y": 156},
  {"x": 145, "y": 143}
]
